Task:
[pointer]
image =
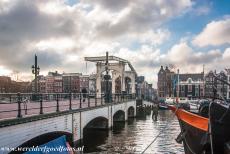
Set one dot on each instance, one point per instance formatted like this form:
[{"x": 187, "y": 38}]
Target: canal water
[{"x": 136, "y": 134}]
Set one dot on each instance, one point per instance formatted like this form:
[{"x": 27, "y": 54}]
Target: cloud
[
  {"x": 113, "y": 20},
  {"x": 62, "y": 35},
  {"x": 215, "y": 33},
  {"x": 203, "y": 10}
]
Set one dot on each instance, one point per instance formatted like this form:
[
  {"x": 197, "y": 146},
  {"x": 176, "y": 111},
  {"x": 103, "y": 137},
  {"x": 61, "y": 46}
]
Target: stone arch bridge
[{"x": 25, "y": 132}]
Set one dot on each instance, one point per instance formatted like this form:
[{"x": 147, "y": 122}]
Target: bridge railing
[{"x": 17, "y": 105}]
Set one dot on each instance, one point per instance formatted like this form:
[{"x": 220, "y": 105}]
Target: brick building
[
  {"x": 228, "y": 80},
  {"x": 190, "y": 85},
  {"x": 165, "y": 82},
  {"x": 5, "y": 84},
  {"x": 221, "y": 88},
  {"x": 84, "y": 82},
  {"x": 71, "y": 82}
]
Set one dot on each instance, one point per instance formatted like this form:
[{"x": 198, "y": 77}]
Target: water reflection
[
  {"x": 94, "y": 138},
  {"x": 136, "y": 134}
]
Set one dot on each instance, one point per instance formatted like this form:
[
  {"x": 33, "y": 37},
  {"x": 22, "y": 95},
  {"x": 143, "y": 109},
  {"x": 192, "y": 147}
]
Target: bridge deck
[{"x": 30, "y": 108}]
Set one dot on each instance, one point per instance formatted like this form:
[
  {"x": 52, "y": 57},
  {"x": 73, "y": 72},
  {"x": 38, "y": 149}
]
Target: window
[
  {"x": 189, "y": 80},
  {"x": 182, "y": 88},
  {"x": 196, "y": 90},
  {"x": 189, "y": 88}
]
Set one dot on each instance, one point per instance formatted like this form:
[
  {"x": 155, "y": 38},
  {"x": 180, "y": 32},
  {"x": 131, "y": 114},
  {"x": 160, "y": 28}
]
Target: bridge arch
[
  {"x": 119, "y": 116},
  {"x": 131, "y": 112},
  {"x": 44, "y": 138},
  {"x": 95, "y": 132},
  {"x": 98, "y": 123}
]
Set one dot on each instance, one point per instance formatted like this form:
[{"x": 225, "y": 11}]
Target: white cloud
[
  {"x": 203, "y": 10},
  {"x": 215, "y": 33},
  {"x": 62, "y": 35}
]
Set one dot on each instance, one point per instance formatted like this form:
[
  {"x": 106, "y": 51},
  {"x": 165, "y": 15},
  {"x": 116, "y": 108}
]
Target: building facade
[
  {"x": 71, "y": 82},
  {"x": 209, "y": 82},
  {"x": 190, "y": 85},
  {"x": 5, "y": 84},
  {"x": 212, "y": 85},
  {"x": 228, "y": 80},
  {"x": 84, "y": 83},
  {"x": 92, "y": 84},
  {"x": 165, "y": 82},
  {"x": 10, "y": 86}
]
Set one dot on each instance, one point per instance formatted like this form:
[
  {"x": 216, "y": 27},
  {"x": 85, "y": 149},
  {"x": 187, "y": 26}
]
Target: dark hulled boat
[
  {"x": 205, "y": 135},
  {"x": 163, "y": 106}
]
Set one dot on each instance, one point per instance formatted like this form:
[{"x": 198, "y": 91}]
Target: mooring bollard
[{"x": 19, "y": 106}]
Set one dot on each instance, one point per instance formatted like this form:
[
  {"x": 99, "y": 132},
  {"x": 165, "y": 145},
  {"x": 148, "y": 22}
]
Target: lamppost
[
  {"x": 178, "y": 86},
  {"x": 107, "y": 77},
  {"x": 35, "y": 71}
]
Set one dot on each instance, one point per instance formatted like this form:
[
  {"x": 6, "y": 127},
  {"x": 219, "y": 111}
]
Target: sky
[{"x": 149, "y": 33}]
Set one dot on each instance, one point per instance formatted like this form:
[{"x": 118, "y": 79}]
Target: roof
[{"x": 194, "y": 77}]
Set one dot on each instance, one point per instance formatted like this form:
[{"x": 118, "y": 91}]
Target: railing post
[
  {"x": 41, "y": 104},
  {"x": 80, "y": 100},
  {"x": 19, "y": 106},
  {"x": 102, "y": 99},
  {"x": 88, "y": 100},
  {"x": 70, "y": 101},
  {"x": 95, "y": 99},
  {"x": 57, "y": 110}
]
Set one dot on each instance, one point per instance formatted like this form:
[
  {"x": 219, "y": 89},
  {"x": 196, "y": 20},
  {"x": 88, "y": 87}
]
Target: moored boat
[
  {"x": 205, "y": 135},
  {"x": 163, "y": 106},
  {"x": 58, "y": 145}
]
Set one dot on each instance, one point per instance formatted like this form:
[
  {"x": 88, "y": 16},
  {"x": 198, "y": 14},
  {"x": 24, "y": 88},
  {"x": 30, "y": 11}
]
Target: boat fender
[
  {"x": 204, "y": 110},
  {"x": 205, "y": 139},
  {"x": 205, "y": 142},
  {"x": 227, "y": 148},
  {"x": 181, "y": 137}
]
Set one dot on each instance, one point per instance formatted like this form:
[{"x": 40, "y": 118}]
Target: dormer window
[{"x": 189, "y": 80}]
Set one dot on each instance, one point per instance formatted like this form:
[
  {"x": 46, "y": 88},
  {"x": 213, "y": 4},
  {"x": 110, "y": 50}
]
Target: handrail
[{"x": 42, "y": 103}]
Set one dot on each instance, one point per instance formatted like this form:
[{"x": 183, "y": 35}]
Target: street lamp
[
  {"x": 35, "y": 71},
  {"x": 107, "y": 77}
]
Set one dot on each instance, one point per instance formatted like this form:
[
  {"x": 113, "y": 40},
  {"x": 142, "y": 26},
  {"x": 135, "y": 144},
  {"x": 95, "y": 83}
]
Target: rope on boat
[{"x": 160, "y": 132}]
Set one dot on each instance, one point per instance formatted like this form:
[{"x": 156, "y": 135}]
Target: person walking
[
  {"x": 155, "y": 112},
  {"x": 84, "y": 93}
]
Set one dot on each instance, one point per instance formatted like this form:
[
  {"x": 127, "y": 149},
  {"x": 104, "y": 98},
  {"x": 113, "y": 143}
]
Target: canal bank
[{"x": 136, "y": 134}]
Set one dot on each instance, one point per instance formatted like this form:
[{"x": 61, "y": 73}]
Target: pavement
[{"x": 10, "y": 110}]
